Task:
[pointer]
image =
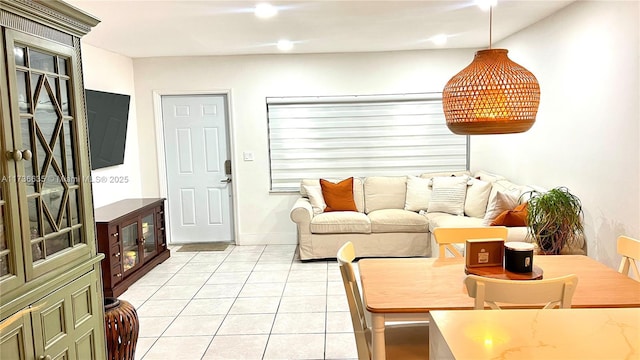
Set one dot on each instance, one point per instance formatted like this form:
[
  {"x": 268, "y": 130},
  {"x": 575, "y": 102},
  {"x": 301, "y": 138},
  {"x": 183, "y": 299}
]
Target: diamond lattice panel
[{"x": 49, "y": 123}]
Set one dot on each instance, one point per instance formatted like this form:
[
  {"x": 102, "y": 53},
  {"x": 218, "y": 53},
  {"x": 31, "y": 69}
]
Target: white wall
[
  {"x": 587, "y": 132},
  {"x": 110, "y": 72},
  {"x": 586, "y": 136},
  {"x": 263, "y": 217}
]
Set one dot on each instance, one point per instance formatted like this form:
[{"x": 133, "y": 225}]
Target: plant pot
[
  {"x": 547, "y": 247},
  {"x": 122, "y": 327},
  {"x": 554, "y": 218},
  {"x": 548, "y": 242}
]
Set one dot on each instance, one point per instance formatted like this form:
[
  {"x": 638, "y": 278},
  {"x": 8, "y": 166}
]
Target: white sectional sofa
[{"x": 395, "y": 215}]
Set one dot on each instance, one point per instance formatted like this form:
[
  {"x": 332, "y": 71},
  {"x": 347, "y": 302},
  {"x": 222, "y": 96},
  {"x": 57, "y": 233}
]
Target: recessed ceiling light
[
  {"x": 485, "y": 5},
  {"x": 285, "y": 45},
  {"x": 439, "y": 39},
  {"x": 265, "y": 10}
]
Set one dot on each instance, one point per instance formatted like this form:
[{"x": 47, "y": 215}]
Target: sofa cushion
[
  {"x": 475, "y": 203},
  {"x": 314, "y": 192},
  {"x": 337, "y": 222},
  {"x": 448, "y": 194},
  {"x": 338, "y": 196},
  {"x": 487, "y": 176},
  {"x": 515, "y": 217},
  {"x": 445, "y": 173},
  {"x": 508, "y": 186},
  {"x": 384, "y": 192},
  {"x": 518, "y": 233},
  {"x": 448, "y": 220},
  {"x": 358, "y": 195},
  {"x": 397, "y": 220},
  {"x": 418, "y": 193},
  {"x": 500, "y": 202},
  {"x": 305, "y": 183}
]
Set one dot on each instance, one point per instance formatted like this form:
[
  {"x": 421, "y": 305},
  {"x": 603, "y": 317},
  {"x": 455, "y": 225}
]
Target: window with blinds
[{"x": 340, "y": 137}]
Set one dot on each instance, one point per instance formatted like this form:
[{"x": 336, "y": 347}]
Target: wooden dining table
[{"x": 407, "y": 289}]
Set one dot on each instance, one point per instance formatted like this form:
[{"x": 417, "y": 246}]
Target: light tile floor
[{"x": 247, "y": 302}]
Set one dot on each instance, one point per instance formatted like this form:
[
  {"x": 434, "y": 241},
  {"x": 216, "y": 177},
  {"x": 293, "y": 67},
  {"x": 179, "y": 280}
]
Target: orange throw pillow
[
  {"x": 338, "y": 197},
  {"x": 515, "y": 217}
]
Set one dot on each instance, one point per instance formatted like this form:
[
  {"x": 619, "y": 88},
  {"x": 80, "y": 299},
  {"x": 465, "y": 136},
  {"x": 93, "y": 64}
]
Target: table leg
[{"x": 377, "y": 338}]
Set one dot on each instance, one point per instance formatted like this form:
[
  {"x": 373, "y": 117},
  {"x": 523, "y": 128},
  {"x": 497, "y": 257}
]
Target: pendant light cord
[{"x": 490, "y": 24}]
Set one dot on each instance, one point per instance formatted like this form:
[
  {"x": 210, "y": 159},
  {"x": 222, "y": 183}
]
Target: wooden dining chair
[
  {"x": 402, "y": 341},
  {"x": 551, "y": 292},
  {"x": 629, "y": 248},
  {"x": 446, "y": 237}
]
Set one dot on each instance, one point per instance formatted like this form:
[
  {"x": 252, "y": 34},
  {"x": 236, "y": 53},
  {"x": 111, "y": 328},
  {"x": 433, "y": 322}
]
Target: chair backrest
[
  {"x": 346, "y": 254},
  {"x": 629, "y": 248},
  {"x": 446, "y": 236},
  {"x": 551, "y": 292}
]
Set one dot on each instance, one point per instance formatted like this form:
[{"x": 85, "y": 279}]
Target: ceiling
[{"x": 151, "y": 28}]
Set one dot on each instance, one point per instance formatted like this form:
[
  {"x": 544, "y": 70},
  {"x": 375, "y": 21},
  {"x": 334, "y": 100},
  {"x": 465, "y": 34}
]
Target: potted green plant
[{"x": 554, "y": 219}]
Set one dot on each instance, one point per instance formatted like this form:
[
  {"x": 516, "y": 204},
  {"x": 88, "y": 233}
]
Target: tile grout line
[
  {"x": 230, "y": 307},
  {"x": 188, "y": 302},
  {"x": 264, "y": 257},
  {"x": 264, "y": 352},
  {"x": 146, "y": 300}
]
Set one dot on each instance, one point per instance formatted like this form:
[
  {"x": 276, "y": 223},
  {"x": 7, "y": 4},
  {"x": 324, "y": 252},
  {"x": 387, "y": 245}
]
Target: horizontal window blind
[{"x": 339, "y": 137}]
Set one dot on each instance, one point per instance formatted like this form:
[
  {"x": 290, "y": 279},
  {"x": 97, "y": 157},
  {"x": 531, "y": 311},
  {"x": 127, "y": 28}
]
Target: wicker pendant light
[{"x": 493, "y": 95}]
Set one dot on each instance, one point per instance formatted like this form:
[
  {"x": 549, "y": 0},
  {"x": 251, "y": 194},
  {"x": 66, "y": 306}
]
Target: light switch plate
[{"x": 247, "y": 156}]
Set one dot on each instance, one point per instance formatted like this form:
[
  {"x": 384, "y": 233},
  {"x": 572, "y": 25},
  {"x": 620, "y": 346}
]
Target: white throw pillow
[
  {"x": 475, "y": 204},
  {"x": 418, "y": 193},
  {"x": 503, "y": 201},
  {"x": 314, "y": 192},
  {"x": 448, "y": 194},
  {"x": 487, "y": 176},
  {"x": 445, "y": 174}
]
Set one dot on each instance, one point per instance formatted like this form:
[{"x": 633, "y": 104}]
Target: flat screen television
[{"x": 107, "y": 122}]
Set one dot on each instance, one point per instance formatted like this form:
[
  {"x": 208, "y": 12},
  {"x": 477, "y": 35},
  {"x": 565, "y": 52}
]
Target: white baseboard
[{"x": 267, "y": 239}]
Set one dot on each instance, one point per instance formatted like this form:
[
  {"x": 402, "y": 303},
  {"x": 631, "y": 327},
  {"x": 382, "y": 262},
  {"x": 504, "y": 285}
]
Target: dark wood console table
[{"x": 131, "y": 234}]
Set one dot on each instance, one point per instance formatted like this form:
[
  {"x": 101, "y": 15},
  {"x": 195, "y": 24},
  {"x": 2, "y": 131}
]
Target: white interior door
[{"x": 199, "y": 184}]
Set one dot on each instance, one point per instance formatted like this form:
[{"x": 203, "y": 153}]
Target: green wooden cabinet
[
  {"x": 51, "y": 300},
  {"x": 15, "y": 337},
  {"x": 67, "y": 322}
]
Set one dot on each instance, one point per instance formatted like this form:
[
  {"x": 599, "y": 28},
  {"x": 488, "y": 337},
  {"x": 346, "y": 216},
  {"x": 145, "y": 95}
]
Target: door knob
[
  {"x": 18, "y": 155},
  {"x": 45, "y": 357},
  {"x": 226, "y": 181}
]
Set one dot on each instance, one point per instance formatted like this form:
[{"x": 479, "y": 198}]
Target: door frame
[{"x": 160, "y": 150}]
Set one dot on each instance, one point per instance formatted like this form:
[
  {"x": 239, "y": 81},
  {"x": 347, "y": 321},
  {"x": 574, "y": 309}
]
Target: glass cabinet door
[
  {"x": 11, "y": 266},
  {"x": 6, "y": 267},
  {"x": 130, "y": 252},
  {"x": 148, "y": 235},
  {"x": 45, "y": 129}
]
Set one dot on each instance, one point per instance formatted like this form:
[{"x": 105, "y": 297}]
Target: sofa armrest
[{"x": 301, "y": 212}]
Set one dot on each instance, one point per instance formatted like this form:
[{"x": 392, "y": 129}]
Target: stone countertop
[{"x": 536, "y": 334}]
